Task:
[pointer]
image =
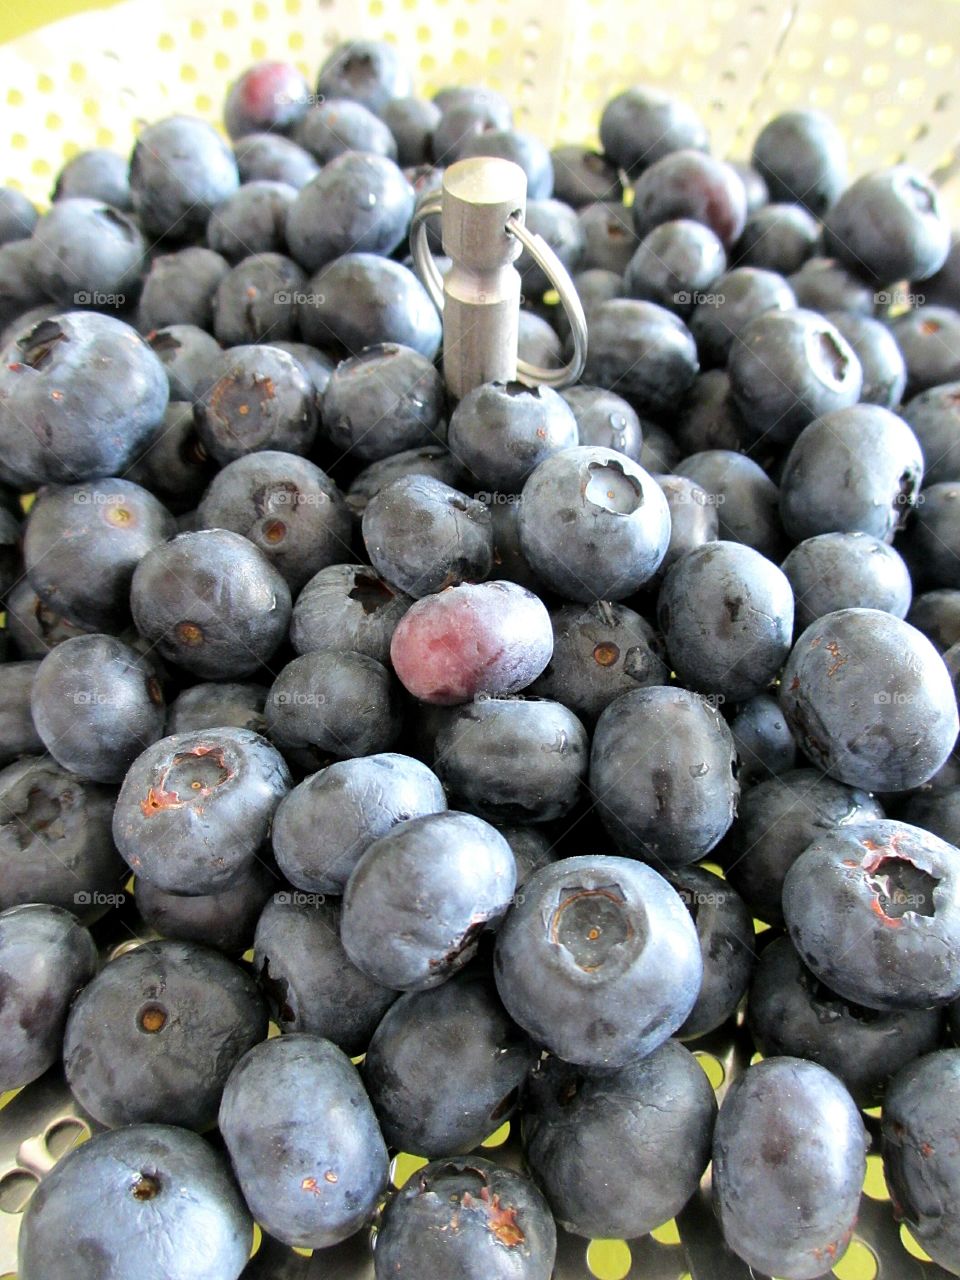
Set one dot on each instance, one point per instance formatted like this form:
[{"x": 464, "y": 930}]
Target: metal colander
[{"x": 885, "y": 70}]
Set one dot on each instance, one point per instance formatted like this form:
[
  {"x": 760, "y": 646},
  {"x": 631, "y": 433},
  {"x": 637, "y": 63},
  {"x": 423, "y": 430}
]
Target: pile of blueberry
[{"x": 404, "y": 727}]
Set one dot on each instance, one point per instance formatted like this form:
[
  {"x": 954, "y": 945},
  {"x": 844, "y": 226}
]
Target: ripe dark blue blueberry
[
  {"x": 744, "y": 498},
  {"x": 383, "y": 401},
  {"x": 225, "y": 920},
  {"x": 846, "y": 571},
  {"x": 85, "y": 251},
  {"x": 180, "y": 170},
  {"x": 778, "y": 237},
  {"x": 803, "y": 159},
  {"x": 582, "y": 176},
  {"x": 367, "y": 71},
  {"x": 826, "y": 285},
  {"x": 187, "y": 353},
  {"x": 642, "y": 352},
  {"x": 257, "y": 301},
  {"x": 347, "y": 606},
  {"x": 270, "y": 157},
  {"x": 639, "y": 126},
  {"x": 430, "y": 460},
  {"x": 929, "y": 338},
  {"x": 501, "y": 431},
  {"x": 605, "y": 419},
  {"x": 412, "y": 122},
  {"x": 179, "y": 289},
  {"x": 609, "y": 243},
  {"x": 934, "y": 417},
  {"x": 259, "y": 397},
  {"x": 690, "y": 184},
  {"x": 19, "y": 735},
  {"x": 18, "y": 216},
  {"x": 736, "y": 298},
  {"x": 675, "y": 265},
  {"x": 523, "y": 149},
  {"x": 884, "y": 371}
]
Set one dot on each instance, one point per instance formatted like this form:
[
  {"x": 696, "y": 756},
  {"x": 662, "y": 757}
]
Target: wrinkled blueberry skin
[
  {"x": 620, "y": 1122},
  {"x": 212, "y": 602},
  {"x": 869, "y": 700},
  {"x": 745, "y": 499},
  {"x": 83, "y": 542},
  {"x": 605, "y": 419},
  {"x": 179, "y": 289},
  {"x": 788, "y": 368},
  {"x": 789, "y": 1158},
  {"x": 358, "y": 203},
  {"x": 853, "y": 470},
  {"x": 422, "y": 536},
  {"x": 293, "y": 1112},
  {"x": 445, "y": 1067},
  {"x": 599, "y": 652},
  {"x": 18, "y": 733},
  {"x": 888, "y": 226},
  {"x": 791, "y": 1013},
  {"x": 504, "y": 1229},
  {"x": 501, "y": 431},
  {"x": 256, "y": 302},
  {"x": 675, "y": 262},
  {"x": 419, "y": 896},
  {"x": 224, "y": 920},
  {"x": 327, "y": 822},
  {"x": 96, "y": 705},
  {"x": 846, "y": 571},
  {"x": 663, "y": 766},
  {"x": 187, "y": 354},
  {"x": 691, "y": 184},
  {"x": 387, "y": 399},
  {"x": 327, "y": 704},
  {"x": 777, "y": 237},
  {"x": 513, "y": 761},
  {"x": 779, "y": 818},
  {"x": 746, "y": 292},
  {"x": 46, "y": 957},
  {"x": 367, "y": 71},
  {"x": 360, "y": 299},
  {"x": 85, "y": 247},
  {"x": 569, "y": 993},
  {"x": 726, "y": 934},
  {"x": 180, "y": 1016},
  {"x": 639, "y": 126},
  {"x": 802, "y": 157},
  {"x": 347, "y": 607},
  {"x": 112, "y": 394},
  {"x": 270, "y": 157},
  {"x": 641, "y": 351},
  {"x": 286, "y": 506},
  {"x": 188, "y": 839},
  {"x": 919, "y": 1153},
  {"x": 251, "y": 221},
  {"x": 307, "y": 977},
  {"x": 875, "y": 913},
  {"x": 151, "y": 1201},
  {"x": 430, "y": 460},
  {"x": 934, "y": 417},
  {"x": 55, "y": 842},
  {"x": 882, "y": 364},
  {"x": 488, "y": 637},
  {"x": 593, "y": 524},
  {"x": 726, "y": 615},
  {"x": 259, "y": 398},
  {"x": 180, "y": 170}
]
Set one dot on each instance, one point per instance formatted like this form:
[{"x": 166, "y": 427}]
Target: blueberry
[
  {"x": 639, "y": 126},
  {"x": 934, "y": 416},
  {"x": 593, "y": 937},
  {"x": 846, "y": 571},
  {"x": 445, "y": 1066},
  {"x": 187, "y": 354},
  {"x": 462, "y": 118},
  {"x": 532, "y": 849},
  {"x": 791, "y": 1013},
  {"x": 195, "y": 808},
  {"x": 309, "y": 981},
  {"x": 18, "y": 733},
  {"x": 936, "y": 811},
  {"x": 259, "y": 398},
  {"x": 803, "y": 159},
  {"x": 690, "y": 184},
  {"x": 267, "y": 96},
  {"x": 874, "y": 911},
  {"x": 431, "y": 460},
  {"x": 422, "y": 536},
  {"x": 920, "y": 1167},
  {"x": 825, "y": 284},
  {"x": 492, "y": 637},
  {"x": 33, "y": 628},
  {"x": 251, "y": 220},
  {"x": 327, "y": 704},
  {"x": 511, "y": 564},
  {"x": 66, "y": 377},
  {"x": 789, "y": 1158},
  {"x": 347, "y": 607},
  {"x": 367, "y": 71},
  {"x": 884, "y": 371},
  {"x": 737, "y": 297},
  {"x": 152, "y": 1201},
  {"x": 18, "y": 216},
  {"x": 412, "y": 122},
  {"x": 179, "y": 289},
  {"x": 339, "y": 126},
  {"x": 504, "y": 1230},
  {"x": 929, "y": 338},
  {"x": 327, "y": 822},
  {"x": 708, "y": 419},
  {"x": 693, "y": 518},
  {"x": 788, "y": 368},
  {"x": 538, "y": 343},
  {"x": 224, "y": 920},
  {"x": 316, "y": 364},
  {"x": 523, "y": 149},
  {"x": 757, "y": 191},
  {"x": 726, "y": 614},
  {"x": 20, "y": 288},
  {"x": 593, "y": 524},
  {"x": 387, "y": 399},
  {"x": 930, "y": 541},
  {"x": 642, "y": 351},
  {"x": 744, "y": 497},
  {"x": 284, "y": 505},
  {"x": 605, "y": 419},
  {"x": 269, "y": 157},
  {"x": 937, "y": 615},
  {"x": 257, "y": 302},
  {"x": 55, "y": 842},
  {"x": 413, "y": 926},
  {"x": 619, "y": 1122},
  {"x": 175, "y": 467},
  {"x": 557, "y": 224},
  {"x": 180, "y": 170},
  {"x": 501, "y": 431},
  {"x": 46, "y": 957},
  {"x": 513, "y": 761},
  {"x": 180, "y": 1017},
  {"x": 210, "y": 706},
  {"x": 608, "y": 239},
  {"x": 943, "y": 287},
  {"x": 778, "y": 237},
  {"x": 88, "y": 254},
  {"x": 212, "y": 602},
  {"x": 852, "y": 470},
  {"x": 675, "y": 264},
  {"x": 83, "y": 542},
  {"x": 726, "y": 935},
  {"x": 582, "y": 176},
  {"x": 360, "y": 299},
  {"x": 888, "y": 226}
]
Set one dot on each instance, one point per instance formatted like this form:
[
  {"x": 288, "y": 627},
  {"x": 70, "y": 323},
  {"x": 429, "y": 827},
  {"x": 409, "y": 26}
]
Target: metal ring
[
  {"x": 556, "y": 273},
  {"x": 428, "y": 271}
]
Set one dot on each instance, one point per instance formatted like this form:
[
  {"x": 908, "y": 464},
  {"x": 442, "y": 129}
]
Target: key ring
[{"x": 490, "y": 259}]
